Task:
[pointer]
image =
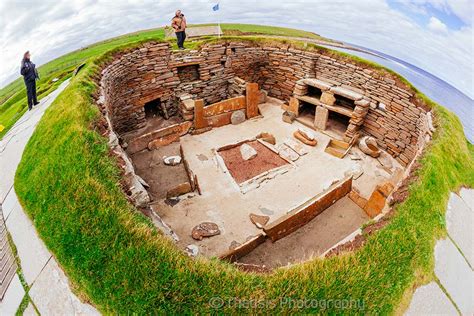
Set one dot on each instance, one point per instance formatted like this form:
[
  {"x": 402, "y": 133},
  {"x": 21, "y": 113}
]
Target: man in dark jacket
[{"x": 30, "y": 75}]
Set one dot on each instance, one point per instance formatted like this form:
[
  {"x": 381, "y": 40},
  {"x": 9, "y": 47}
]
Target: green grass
[
  {"x": 249, "y": 29},
  {"x": 70, "y": 186}
]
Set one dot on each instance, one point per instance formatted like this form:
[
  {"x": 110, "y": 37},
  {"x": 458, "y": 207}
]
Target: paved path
[
  {"x": 453, "y": 291},
  {"x": 49, "y": 287}
]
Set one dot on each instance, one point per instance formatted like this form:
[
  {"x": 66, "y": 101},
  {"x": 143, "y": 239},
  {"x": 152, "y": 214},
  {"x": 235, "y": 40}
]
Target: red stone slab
[{"x": 252, "y": 97}]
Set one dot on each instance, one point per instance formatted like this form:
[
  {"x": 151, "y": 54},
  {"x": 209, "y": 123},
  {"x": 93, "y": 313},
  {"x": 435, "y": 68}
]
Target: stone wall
[{"x": 395, "y": 118}]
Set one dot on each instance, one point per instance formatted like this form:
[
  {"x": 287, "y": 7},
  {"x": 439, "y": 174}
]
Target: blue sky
[
  {"x": 422, "y": 12},
  {"x": 435, "y": 35}
]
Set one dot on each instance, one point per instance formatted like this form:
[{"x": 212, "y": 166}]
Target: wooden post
[{"x": 252, "y": 97}]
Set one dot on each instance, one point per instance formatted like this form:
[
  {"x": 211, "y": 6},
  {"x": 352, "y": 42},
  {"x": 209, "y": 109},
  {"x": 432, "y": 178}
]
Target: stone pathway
[
  {"x": 48, "y": 286},
  {"x": 453, "y": 291}
]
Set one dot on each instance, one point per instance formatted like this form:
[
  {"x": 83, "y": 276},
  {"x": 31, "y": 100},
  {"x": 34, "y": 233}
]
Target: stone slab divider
[
  {"x": 49, "y": 287},
  {"x": 304, "y": 213}
]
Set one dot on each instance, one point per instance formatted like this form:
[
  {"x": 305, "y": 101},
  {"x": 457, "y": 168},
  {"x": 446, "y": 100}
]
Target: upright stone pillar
[
  {"x": 294, "y": 106},
  {"x": 199, "y": 119},
  {"x": 321, "y": 117},
  {"x": 252, "y": 97}
]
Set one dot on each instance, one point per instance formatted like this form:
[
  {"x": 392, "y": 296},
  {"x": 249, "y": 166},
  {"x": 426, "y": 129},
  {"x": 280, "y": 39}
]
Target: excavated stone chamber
[{"x": 182, "y": 119}]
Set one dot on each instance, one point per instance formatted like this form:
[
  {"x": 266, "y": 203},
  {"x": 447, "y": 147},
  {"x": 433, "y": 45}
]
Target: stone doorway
[
  {"x": 153, "y": 109},
  {"x": 159, "y": 113}
]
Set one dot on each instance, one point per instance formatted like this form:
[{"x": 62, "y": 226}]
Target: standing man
[
  {"x": 178, "y": 23},
  {"x": 30, "y": 75}
]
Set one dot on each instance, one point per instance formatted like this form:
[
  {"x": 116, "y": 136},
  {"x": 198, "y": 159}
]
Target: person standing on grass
[
  {"x": 178, "y": 23},
  {"x": 30, "y": 75}
]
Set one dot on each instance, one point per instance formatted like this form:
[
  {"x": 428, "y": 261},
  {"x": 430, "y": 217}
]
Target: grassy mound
[{"x": 69, "y": 185}]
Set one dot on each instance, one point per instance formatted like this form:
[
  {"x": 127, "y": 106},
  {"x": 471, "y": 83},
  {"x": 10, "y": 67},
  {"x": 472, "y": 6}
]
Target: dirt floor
[
  {"x": 334, "y": 128},
  {"x": 242, "y": 170},
  {"x": 150, "y": 166},
  {"x": 223, "y": 203},
  {"x": 313, "y": 239}
]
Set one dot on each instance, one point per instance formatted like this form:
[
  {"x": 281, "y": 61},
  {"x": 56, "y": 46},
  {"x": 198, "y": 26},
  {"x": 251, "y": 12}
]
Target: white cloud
[
  {"x": 463, "y": 9},
  {"x": 51, "y": 28},
  {"x": 437, "y": 26}
]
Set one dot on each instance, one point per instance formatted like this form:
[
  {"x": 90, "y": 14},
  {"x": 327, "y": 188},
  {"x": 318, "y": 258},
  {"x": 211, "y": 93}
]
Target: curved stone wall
[{"x": 395, "y": 118}]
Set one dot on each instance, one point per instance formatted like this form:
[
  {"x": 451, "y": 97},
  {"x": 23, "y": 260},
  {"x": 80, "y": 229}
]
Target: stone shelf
[
  {"x": 336, "y": 108},
  {"x": 324, "y": 86}
]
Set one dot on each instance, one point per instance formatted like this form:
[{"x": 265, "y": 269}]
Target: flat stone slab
[
  {"x": 11, "y": 202},
  {"x": 455, "y": 275},
  {"x": 52, "y": 295},
  {"x": 429, "y": 300},
  {"x": 460, "y": 225},
  {"x": 468, "y": 196},
  {"x": 33, "y": 253},
  {"x": 297, "y": 146},
  {"x": 323, "y": 85},
  {"x": 13, "y": 297},
  {"x": 347, "y": 93}
]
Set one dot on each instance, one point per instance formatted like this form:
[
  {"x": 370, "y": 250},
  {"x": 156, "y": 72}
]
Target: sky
[{"x": 435, "y": 35}]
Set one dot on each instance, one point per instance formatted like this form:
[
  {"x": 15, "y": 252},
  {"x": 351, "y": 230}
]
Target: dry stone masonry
[{"x": 383, "y": 106}]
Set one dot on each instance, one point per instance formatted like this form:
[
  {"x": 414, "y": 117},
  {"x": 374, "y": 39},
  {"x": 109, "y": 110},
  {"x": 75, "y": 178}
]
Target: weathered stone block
[
  {"x": 298, "y": 147},
  {"x": 180, "y": 189},
  {"x": 294, "y": 106},
  {"x": 288, "y": 117},
  {"x": 247, "y": 152},
  {"x": 327, "y": 98},
  {"x": 321, "y": 117},
  {"x": 237, "y": 117},
  {"x": 357, "y": 199}
]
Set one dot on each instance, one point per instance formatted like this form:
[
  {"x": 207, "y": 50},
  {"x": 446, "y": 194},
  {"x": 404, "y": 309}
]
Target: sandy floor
[
  {"x": 313, "y": 239},
  {"x": 223, "y": 203},
  {"x": 150, "y": 166}
]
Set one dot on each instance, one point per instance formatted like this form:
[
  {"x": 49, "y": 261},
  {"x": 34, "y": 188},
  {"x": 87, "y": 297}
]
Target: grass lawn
[{"x": 69, "y": 185}]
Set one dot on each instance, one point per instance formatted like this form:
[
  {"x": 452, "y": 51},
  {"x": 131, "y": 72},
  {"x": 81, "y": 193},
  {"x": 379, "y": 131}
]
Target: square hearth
[{"x": 243, "y": 170}]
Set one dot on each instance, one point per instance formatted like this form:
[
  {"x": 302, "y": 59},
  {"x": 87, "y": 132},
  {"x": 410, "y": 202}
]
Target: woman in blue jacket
[{"x": 30, "y": 75}]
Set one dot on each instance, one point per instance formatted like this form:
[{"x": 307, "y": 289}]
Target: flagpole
[{"x": 219, "y": 21}]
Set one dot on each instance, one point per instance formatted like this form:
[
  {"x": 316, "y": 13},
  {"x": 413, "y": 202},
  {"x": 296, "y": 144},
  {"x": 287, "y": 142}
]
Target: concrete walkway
[
  {"x": 48, "y": 286},
  {"x": 453, "y": 291}
]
